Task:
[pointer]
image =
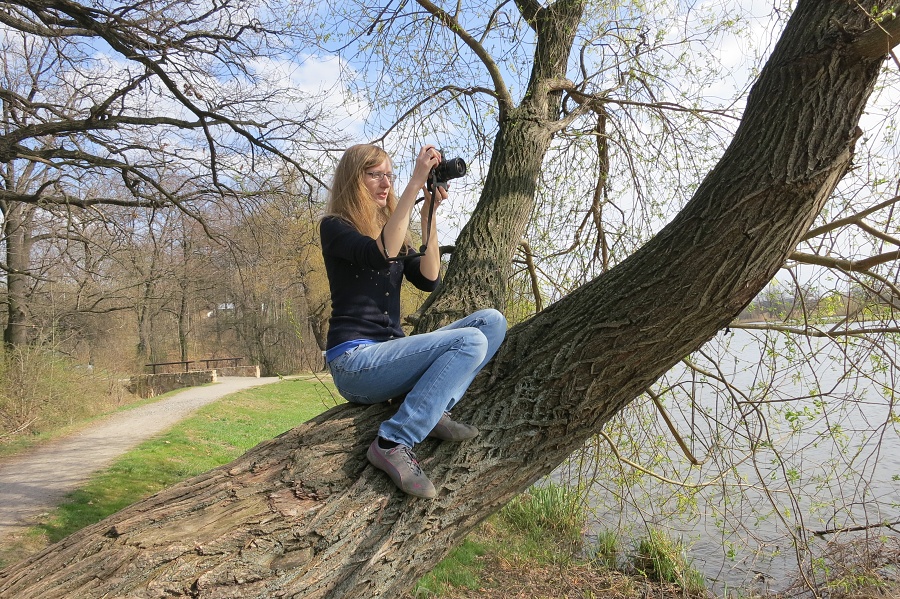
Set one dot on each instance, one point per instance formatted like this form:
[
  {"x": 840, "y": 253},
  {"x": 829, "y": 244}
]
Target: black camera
[{"x": 447, "y": 169}]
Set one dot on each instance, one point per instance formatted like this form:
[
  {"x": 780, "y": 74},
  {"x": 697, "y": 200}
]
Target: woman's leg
[
  {"x": 430, "y": 369},
  {"x": 433, "y": 369},
  {"x": 492, "y": 325},
  {"x": 443, "y": 384},
  {"x": 439, "y": 387}
]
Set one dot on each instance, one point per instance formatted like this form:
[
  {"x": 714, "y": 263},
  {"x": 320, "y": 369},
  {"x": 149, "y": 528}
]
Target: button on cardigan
[{"x": 365, "y": 286}]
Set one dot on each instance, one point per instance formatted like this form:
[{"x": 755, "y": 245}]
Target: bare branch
[
  {"x": 853, "y": 219},
  {"x": 501, "y": 91},
  {"x": 814, "y": 332},
  {"x": 846, "y": 265}
]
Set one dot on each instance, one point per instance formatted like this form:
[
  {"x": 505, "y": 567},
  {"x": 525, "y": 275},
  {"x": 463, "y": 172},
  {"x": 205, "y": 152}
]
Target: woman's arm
[
  {"x": 342, "y": 240},
  {"x": 394, "y": 232},
  {"x": 430, "y": 266}
]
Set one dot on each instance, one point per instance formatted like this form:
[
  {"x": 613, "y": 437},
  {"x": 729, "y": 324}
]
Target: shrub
[{"x": 41, "y": 390}]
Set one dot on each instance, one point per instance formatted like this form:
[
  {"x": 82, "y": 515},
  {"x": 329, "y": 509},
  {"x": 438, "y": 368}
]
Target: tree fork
[
  {"x": 481, "y": 265},
  {"x": 302, "y": 515}
]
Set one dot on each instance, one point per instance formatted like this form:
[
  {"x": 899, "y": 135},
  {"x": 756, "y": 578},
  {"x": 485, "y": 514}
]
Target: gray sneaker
[
  {"x": 400, "y": 464},
  {"x": 451, "y": 430}
]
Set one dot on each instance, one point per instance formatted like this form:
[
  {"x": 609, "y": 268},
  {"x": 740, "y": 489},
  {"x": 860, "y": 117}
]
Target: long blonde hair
[{"x": 349, "y": 198}]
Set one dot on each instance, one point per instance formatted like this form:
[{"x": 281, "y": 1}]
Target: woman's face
[{"x": 380, "y": 187}]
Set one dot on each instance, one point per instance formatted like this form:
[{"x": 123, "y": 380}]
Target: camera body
[{"x": 446, "y": 170}]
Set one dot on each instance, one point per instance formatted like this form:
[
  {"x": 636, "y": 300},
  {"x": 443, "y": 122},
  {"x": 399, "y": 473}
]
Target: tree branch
[
  {"x": 853, "y": 219},
  {"x": 813, "y": 332},
  {"x": 504, "y": 99},
  {"x": 416, "y": 106},
  {"x": 846, "y": 265},
  {"x": 880, "y": 39},
  {"x": 664, "y": 479},
  {"x": 63, "y": 199},
  {"x": 831, "y": 531},
  {"x": 529, "y": 9},
  {"x": 134, "y": 47}
]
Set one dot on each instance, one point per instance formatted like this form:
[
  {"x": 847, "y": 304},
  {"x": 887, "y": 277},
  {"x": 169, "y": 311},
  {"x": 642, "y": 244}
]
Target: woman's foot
[
  {"x": 450, "y": 430},
  {"x": 400, "y": 464}
]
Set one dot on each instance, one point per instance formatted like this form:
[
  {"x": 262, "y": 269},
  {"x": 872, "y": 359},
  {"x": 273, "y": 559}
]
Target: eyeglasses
[{"x": 378, "y": 176}]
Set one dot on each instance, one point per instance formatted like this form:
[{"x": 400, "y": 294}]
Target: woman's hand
[
  {"x": 427, "y": 159},
  {"x": 439, "y": 196}
]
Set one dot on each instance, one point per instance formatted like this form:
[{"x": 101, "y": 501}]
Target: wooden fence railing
[{"x": 185, "y": 364}]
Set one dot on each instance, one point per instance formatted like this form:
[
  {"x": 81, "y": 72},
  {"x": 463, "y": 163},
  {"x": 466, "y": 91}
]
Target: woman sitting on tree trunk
[{"x": 366, "y": 246}]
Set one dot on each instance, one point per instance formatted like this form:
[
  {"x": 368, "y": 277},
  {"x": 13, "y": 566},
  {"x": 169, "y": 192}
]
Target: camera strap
[{"x": 432, "y": 187}]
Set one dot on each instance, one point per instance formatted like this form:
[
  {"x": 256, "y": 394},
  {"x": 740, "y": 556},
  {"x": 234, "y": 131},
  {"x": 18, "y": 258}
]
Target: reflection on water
[{"x": 795, "y": 439}]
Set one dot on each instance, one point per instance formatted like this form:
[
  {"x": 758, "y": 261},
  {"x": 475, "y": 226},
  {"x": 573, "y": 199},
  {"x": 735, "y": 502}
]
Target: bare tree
[
  {"x": 276, "y": 283},
  {"x": 137, "y": 93}
]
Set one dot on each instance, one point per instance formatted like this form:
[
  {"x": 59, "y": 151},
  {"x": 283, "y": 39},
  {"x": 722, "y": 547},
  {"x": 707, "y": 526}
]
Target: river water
[{"x": 794, "y": 437}]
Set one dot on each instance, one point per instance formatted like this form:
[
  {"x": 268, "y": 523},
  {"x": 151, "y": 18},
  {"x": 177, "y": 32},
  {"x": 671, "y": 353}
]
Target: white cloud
[{"x": 321, "y": 79}]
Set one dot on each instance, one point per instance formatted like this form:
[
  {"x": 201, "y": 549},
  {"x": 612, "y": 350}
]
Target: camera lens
[{"x": 450, "y": 169}]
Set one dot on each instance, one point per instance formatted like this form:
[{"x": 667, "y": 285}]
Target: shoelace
[{"x": 411, "y": 459}]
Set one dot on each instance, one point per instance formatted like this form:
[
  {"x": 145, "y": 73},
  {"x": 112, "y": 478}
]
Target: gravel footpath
[{"x": 34, "y": 482}]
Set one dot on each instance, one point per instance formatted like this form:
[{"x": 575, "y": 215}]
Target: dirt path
[{"x": 36, "y": 481}]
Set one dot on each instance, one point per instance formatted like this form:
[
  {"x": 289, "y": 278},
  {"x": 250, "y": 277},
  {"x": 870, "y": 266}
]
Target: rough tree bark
[{"x": 302, "y": 515}]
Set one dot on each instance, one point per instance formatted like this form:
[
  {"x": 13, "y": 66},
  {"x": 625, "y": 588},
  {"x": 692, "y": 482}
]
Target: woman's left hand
[{"x": 437, "y": 198}]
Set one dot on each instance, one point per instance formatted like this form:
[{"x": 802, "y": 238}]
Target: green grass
[
  {"x": 214, "y": 435},
  {"x": 542, "y": 526},
  {"x": 663, "y": 559},
  {"x": 605, "y": 550},
  {"x": 548, "y": 508},
  {"x": 460, "y": 568}
]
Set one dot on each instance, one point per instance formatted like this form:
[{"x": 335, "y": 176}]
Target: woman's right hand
[{"x": 427, "y": 159}]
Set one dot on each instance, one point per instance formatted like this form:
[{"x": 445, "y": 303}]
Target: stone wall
[
  {"x": 250, "y": 371},
  {"x": 150, "y": 385}
]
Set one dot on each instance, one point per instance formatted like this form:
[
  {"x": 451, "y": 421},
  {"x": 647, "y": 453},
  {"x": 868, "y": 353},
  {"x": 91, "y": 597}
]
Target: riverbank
[
  {"x": 531, "y": 549},
  {"x": 496, "y": 561}
]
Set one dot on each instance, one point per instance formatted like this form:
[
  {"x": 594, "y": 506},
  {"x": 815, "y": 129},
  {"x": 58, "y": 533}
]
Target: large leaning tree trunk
[
  {"x": 480, "y": 265},
  {"x": 304, "y": 516}
]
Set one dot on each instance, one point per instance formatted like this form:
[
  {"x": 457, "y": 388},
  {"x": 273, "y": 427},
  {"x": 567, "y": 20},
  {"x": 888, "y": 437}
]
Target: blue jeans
[{"x": 432, "y": 369}]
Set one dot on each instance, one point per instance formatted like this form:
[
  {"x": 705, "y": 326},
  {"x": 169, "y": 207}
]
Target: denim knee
[
  {"x": 475, "y": 342},
  {"x": 498, "y": 320},
  {"x": 492, "y": 324}
]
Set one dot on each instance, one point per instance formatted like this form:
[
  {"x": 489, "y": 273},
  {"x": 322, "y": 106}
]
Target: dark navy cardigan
[{"x": 365, "y": 286}]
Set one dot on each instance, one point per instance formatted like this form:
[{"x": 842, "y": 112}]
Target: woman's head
[{"x": 356, "y": 196}]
